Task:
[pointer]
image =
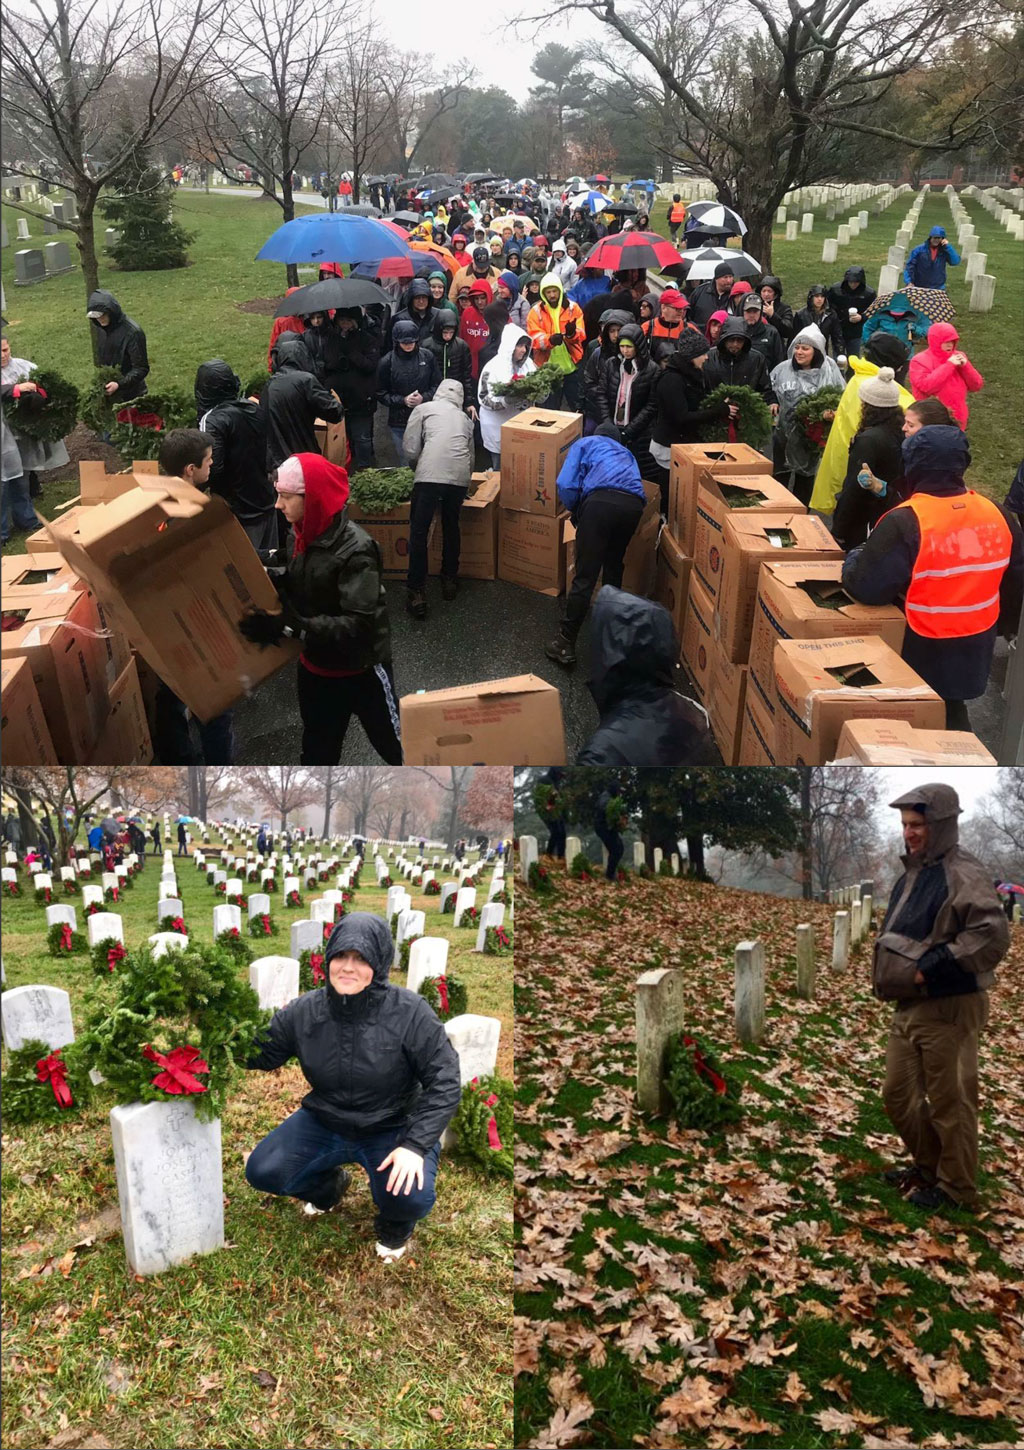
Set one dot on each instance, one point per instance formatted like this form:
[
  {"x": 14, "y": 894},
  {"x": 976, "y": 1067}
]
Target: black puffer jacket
[
  {"x": 403, "y": 373},
  {"x": 597, "y": 353},
  {"x": 679, "y": 398},
  {"x": 642, "y": 406},
  {"x": 644, "y": 721},
  {"x": 852, "y": 291},
  {"x": 122, "y": 344},
  {"x": 238, "y": 433},
  {"x": 826, "y": 320},
  {"x": 376, "y": 1061},
  {"x": 293, "y": 400},
  {"x": 336, "y": 588},
  {"x": 748, "y": 370},
  {"x": 454, "y": 359},
  {"x": 782, "y": 314},
  {"x": 423, "y": 321},
  {"x": 359, "y": 359},
  {"x": 324, "y": 345}
]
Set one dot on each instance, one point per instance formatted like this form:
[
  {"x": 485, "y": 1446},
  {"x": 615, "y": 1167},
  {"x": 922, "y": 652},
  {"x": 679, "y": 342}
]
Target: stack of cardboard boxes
[
  {"x": 531, "y": 523},
  {"x": 478, "y": 525}
]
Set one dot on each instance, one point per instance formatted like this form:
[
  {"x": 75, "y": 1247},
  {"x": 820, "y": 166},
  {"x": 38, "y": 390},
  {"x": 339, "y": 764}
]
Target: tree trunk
[
  {"x": 805, "y": 832},
  {"x": 26, "y": 820},
  {"x": 328, "y": 801},
  {"x": 695, "y": 856},
  {"x": 758, "y": 238}
]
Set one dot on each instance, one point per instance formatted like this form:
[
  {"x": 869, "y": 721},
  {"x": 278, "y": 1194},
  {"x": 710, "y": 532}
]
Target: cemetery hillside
[
  {"x": 707, "y": 1252},
  {"x": 154, "y": 1295}
]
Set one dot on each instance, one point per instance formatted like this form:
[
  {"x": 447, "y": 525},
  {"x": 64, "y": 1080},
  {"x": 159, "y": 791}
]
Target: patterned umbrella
[
  {"x": 932, "y": 301},
  {"x": 632, "y": 249},
  {"x": 714, "y": 217},
  {"x": 593, "y": 201},
  {"x": 499, "y": 223},
  {"x": 699, "y": 266}
]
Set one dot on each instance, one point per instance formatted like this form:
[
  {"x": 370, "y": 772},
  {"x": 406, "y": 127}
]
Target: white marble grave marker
[
  {"x": 275, "y": 980},
  {"x": 163, "y": 942},
  {"x": 61, "y": 913},
  {"x": 306, "y": 936},
  {"x": 170, "y": 906},
  {"x": 660, "y": 1002},
  {"x": 428, "y": 957},
  {"x": 749, "y": 991},
  {"x": 527, "y": 855},
  {"x": 805, "y": 961},
  {"x": 466, "y": 897},
  {"x": 34, "y": 1012},
  {"x": 321, "y": 911},
  {"x": 475, "y": 1039},
  {"x": 102, "y": 925},
  {"x": 493, "y": 914},
  {"x": 259, "y": 904},
  {"x": 225, "y": 917}
]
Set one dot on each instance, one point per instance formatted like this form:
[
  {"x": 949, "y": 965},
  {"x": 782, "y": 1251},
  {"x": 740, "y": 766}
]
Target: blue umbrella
[
  {"x": 647, "y": 185},
  {"x": 331, "y": 237},
  {"x": 422, "y": 264},
  {"x": 592, "y": 201}
]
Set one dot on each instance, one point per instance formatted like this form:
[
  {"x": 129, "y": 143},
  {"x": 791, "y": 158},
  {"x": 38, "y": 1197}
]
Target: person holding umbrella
[
  {"x": 182, "y": 837},
  {"x": 710, "y": 296}
]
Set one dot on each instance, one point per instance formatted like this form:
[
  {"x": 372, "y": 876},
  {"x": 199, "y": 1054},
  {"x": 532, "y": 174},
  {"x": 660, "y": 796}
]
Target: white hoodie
[
  {"x": 562, "y": 265},
  {"x": 495, "y": 410}
]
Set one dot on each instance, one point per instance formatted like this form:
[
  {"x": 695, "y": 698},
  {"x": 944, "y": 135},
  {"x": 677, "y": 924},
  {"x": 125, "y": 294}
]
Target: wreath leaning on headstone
[
  {"x": 232, "y": 943},
  {"x": 539, "y": 878},
  {"x": 447, "y": 995},
  {"x": 403, "y": 952},
  {"x": 63, "y": 941},
  {"x": 483, "y": 1124},
  {"x": 108, "y": 956},
  {"x": 44, "y": 1086},
  {"x": 702, "y": 1096},
  {"x": 582, "y": 868},
  {"x": 179, "y": 1025},
  {"x": 312, "y": 970},
  {"x": 262, "y": 924},
  {"x": 497, "y": 941}
]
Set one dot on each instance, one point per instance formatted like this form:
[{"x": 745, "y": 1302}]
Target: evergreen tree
[{"x": 150, "y": 239}]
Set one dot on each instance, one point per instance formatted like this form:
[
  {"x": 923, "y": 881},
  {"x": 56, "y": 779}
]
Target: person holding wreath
[{"x": 384, "y": 1082}]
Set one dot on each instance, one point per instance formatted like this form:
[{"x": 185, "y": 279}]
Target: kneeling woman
[
  {"x": 385, "y": 1085},
  {"x": 333, "y": 603}
]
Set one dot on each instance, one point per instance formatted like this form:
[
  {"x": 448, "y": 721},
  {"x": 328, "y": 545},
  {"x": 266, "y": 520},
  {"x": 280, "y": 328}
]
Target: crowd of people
[{"x": 647, "y": 366}]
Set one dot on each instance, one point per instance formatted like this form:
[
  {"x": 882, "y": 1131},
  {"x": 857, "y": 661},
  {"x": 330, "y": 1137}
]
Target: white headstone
[
  {"x": 805, "y": 961},
  {"x": 395, "y": 895},
  {"x": 639, "y": 854},
  {"x": 321, "y": 911},
  {"x": 34, "y": 1012},
  {"x": 447, "y": 890},
  {"x": 660, "y": 1002},
  {"x": 234, "y": 886},
  {"x": 8, "y": 873},
  {"x": 983, "y": 293},
  {"x": 306, "y": 936},
  {"x": 573, "y": 848},
  {"x": 842, "y": 238},
  {"x": 259, "y": 904},
  {"x": 792, "y": 231},
  {"x": 91, "y": 895},
  {"x": 807, "y": 222},
  {"x": 103, "y": 925},
  {"x": 491, "y": 915},
  {"x": 428, "y": 957},
  {"x": 43, "y": 879},
  {"x": 466, "y": 897},
  {"x": 888, "y": 278},
  {"x": 170, "y": 906},
  {"x": 225, "y": 917},
  {"x": 291, "y": 883},
  {"x": 170, "y": 1183},
  {"x": 61, "y": 913},
  {"x": 527, "y": 855},
  {"x": 275, "y": 980},
  {"x": 163, "y": 942},
  {"x": 67, "y": 873},
  {"x": 108, "y": 880},
  {"x": 475, "y": 1039},
  {"x": 749, "y": 991}
]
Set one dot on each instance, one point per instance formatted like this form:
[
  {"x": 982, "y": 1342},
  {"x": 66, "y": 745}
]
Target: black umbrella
[
  {"x": 481, "y": 176},
  {"x": 331, "y": 292},
  {"x": 621, "y": 208},
  {"x": 443, "y": 193},
  {"x": 403, "y": 218},
  {"x": 362, "y": 208},
  {"x": 435, "y": 178}
]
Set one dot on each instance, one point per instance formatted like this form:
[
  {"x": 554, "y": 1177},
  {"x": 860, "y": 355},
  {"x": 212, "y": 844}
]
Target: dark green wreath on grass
[
  {"x": 498, "y": 941},
  {"x": 539, "y": 878},
  {"x": 582, "y": 868},
  {"x": 754, "y": 424},
  {"x": 63, "y": 941},
  {"x": 179, "y": 1026},
  {"x": 312, "y": 969},
  {"x": 262, "y": 925},
  {"x": 293, "y": 901},
  {"x": 448, "y": 1001},
  {"x": 665, "y": 869},
  {"x": 233, "y": 944},
  {"x": 502, "y": 897},
  {"x": 403, "y": 952},
  {"x": 809, "y": 415},
  {"x": 483, "y": 1124},
  {"x": 702, "y": 1096},
  {"x": 49, "y": 421},
  {"x": 109, "y": 956},
  {"x": 449, "y": 904},
  {"x": 432, "y": 888},
  {"x": 44, "y": 1086}
]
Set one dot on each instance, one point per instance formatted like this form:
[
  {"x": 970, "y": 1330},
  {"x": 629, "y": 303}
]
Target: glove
[
  {"x": 277, "y": 577},
  {"x": 261, "y": 628},
  {"x": 570, "y": 329},
  {"x": 943, "y": 975}
]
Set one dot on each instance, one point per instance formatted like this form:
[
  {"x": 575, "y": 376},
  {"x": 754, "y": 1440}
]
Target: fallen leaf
[
  {"x": 265, "y": 1379},
  {"x": 436, "y": 1412}
]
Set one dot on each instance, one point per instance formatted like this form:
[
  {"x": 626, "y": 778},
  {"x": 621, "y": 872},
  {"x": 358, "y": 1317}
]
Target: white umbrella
[{"x": 701, "y": 264}]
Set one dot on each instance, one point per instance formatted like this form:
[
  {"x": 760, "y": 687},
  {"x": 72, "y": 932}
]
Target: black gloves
[
  {"x": 261, "y": 628},
  {"x": 570, "y": 329},
  {"x": 943, "y": 975}
]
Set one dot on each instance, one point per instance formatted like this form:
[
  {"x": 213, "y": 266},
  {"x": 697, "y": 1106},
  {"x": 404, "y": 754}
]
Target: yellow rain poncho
[{"x": 831, "y": 473}]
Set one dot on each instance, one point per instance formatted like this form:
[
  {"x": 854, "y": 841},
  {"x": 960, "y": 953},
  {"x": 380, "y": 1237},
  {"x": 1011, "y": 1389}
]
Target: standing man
[
  {"x": 609, "y": 833},
  {"x": 121, "y": 344},
  {"x": 237, "y": 430},
  {"x": 926, "y": 265},
  {"x": 676, "y": 216},
  {"x": 155, "y": 833},
  {"x": 943, "y": 935},
  {"x": 182, "y": 839}
]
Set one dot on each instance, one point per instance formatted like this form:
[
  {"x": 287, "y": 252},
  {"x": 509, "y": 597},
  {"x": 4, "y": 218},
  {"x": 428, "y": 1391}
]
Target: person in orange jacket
[
  {"x": 676, "y": 215},
  {"x": 552, "y": 322},
  {"x": 283, "y": 324}
]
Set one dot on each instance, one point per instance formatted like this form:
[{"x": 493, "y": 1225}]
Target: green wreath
[
  {"x": 702, "y": 1096},
  {"x": 547, "y": 802},
  {"x": 615, "y": 814},
  {"x": 533, "y": 388},
  {"x": 49, "y": 421},
  {"x": 482, "y": 1127},
  {"x": 539, "y": 879},
  {"x": 38, "y": 1083},
  {"x": 233, "y": 944},
  {"x": 455, "y": 988},
  {"x": 61, "y": 944},
  {"x": 498, "y": 941},
  {"x": 665, "y": 869},
  {"x": 810, "y": 412},
  {"x": 191, "y": 1006},
  {"x": 378, "y": 490},
  {"x": 308, "y": 982},
  {"x": 403, "y": 952},
  {"x": 94, "y": 408},
  {"x": 108, "y": 956},
  {"x": 754, "y": 424},
  {"x": 253, "y": 387},
  {"x": 582, "y": 868},
  {"x": 262, "y": 925}
]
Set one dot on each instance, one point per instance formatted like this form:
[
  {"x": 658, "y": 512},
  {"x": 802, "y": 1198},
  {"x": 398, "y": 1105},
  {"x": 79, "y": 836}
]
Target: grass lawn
[
  {"x": 294, "y": 1334},
  {"x": 759, "y": 1286},
  {"x": 992, "y": 340}
]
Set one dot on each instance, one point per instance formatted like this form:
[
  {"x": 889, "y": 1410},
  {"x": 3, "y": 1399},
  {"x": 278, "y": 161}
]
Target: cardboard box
[
  {"x": 58, "y": 641},
  {"x": 533, "y": 448},
  {"x": 726, "y": 692},
  {"x": 115, "y": 651},
  {"x": 748, "y": 541},
  {"x": 333, "y": 441},
  {"x": 895, "y": 742},
  {"x": 531, "y": 551},
  {"x": 96, "y": 485},
  {"x": 499, "y": 722},
  {"x": 391, "y": 532},
  {"x": 791, "y": 604},
  {"x": 45, "y": 572},
  {"x": 478, "y": 530},
  {"x": 698, "y": 636},
  {"x": 639, "y": 565},
  {"x": 822, "y": 683},
  {"x": 672, "y": 578},
  {"x": 68, "y": 522},
  {"x": 688, "y": 462},
  {"x": 721, "y": 498},
  {"x": 758, "y": 737},
  {"x": 125, "y": 738},
  {"x": 24, "y": 734},
  {"x": 175, "y": 572}
]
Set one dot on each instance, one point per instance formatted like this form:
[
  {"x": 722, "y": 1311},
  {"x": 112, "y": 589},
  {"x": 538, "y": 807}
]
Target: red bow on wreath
[
  {"x": 65, "y": 937},
  {"x": 316, "y": 962},
  {"x": 718, "y": 1083},
  {"x": 179, "y": 1066},
  {"x": 442, "y": 992},
  {"x": 113, "y": 893},
  {"x": 53, "y": 1069},
  {"x": 138, "y": 419},
  {"x": 493, "y": 1140},
  {"x": 265, "y": 923},
  {"x": 178, "y": 925},
  {"x": 115, "y": 954},
  {"x": 233, "y": 931}
]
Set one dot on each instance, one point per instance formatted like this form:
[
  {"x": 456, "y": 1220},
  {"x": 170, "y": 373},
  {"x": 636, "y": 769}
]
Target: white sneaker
[{"x": 390, "y": 1255}]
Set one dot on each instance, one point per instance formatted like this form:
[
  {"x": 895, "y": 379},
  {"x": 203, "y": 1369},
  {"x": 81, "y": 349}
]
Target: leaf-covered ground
[
  {"x": 760, "y": 1286},
  {"x": 293, "y": 1334}
]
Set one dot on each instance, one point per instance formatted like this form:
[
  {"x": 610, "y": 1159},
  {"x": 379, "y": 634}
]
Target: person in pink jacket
[{"x": 943, "y": 372}]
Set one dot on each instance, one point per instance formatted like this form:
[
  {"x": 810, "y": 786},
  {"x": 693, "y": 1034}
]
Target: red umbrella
[{"x": 632, "y": 249}]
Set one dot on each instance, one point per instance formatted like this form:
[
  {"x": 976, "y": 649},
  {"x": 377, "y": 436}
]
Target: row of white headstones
[
  {"x": 168, "y": 1163},
  {"x": 574, "y": 847}
]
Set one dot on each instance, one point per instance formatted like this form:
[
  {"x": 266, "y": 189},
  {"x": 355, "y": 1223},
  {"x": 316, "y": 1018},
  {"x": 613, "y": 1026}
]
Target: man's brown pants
[{"x": 931, "y": 1088}]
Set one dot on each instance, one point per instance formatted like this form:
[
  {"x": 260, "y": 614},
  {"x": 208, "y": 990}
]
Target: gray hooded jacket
[
  {"x": 439, "y": 438},
  {"x": 792, "y": 384}
]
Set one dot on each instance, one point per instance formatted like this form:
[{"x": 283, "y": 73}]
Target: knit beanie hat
[
  {"x": 881, "y": 391},
  {"x": 290, "y": 478},
  {"x": 692, "y": 344},
  {"x": 740, "y": 289}
]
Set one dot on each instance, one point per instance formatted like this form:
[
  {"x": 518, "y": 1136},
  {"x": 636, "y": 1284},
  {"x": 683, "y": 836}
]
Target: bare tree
[
  {"x": 67, "y": 68},
  {"x": 281, "y": 789},
  {"x": 996, "y": 832},
  {"x": 454, "y": 784},
  {"x": 359, "y": 787},
  {"x": 68, "y": 794},
  {"x": 768, "y": 98},
  {"x": 418, "y": 101},
  {"x": 209, "y": 786},
  {"x": 357, "y": 102}
]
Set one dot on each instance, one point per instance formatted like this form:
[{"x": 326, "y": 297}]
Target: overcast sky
[{"x": 970, "y": 782}]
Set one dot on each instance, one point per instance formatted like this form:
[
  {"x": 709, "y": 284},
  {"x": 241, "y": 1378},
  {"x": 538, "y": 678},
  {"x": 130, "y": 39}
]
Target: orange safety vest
[
  {"x": 677, "y": 213},
  {"x": 964, "y": 553}
]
